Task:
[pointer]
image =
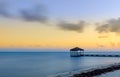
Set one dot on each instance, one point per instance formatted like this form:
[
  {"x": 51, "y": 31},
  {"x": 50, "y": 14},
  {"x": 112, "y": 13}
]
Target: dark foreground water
[{"x": 42, "y": 64}]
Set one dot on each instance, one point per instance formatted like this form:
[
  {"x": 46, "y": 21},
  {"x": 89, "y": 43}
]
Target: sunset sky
[{"x": 90, "y": 24}]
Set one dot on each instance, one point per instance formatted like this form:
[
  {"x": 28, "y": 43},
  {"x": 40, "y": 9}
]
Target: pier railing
[{"x": 100, "y": 54}]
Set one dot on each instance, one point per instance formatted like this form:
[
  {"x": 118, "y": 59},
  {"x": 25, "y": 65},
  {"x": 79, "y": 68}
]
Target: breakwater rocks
[{"x": 99, "y": 71}]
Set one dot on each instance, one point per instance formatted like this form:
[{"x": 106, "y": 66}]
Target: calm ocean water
[{"x": 42, "y": 64}]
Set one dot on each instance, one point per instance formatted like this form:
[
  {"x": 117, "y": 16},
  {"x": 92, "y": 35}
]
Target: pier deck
[
  {"x": 79, "y": 52},
  {"x": 95, "y": 55}
]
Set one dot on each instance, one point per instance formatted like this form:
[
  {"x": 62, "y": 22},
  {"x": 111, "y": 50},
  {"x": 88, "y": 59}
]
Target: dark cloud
[
  {"x": 34, "y": 14},
  {"x": 112, "y": 25},
  {"x": 79, "y": 27},
  {"x": 3, "y": 9},
  {"x": 30, "y": 11}
]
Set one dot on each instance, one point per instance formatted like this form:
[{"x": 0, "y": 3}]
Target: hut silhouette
[{"x": 75, "y": 52}]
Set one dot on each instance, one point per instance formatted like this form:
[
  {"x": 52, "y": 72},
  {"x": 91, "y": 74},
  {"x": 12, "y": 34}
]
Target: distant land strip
[{"x": 98, "y": 71}]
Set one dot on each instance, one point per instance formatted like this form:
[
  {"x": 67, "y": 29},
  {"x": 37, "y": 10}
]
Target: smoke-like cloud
[
  {"x": 32, "y": 10},
  {"x": 3, "y": 9},
  {"x": 25, "y": 9},
  {"x": 33, "y": 14},
  {"x": 79, "y": 27},
  {"x": 112, "y": 25}
]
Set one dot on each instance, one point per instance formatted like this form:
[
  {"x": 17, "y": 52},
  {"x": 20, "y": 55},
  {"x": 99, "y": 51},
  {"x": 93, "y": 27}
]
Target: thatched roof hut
[{"x": 76, "y": 49}]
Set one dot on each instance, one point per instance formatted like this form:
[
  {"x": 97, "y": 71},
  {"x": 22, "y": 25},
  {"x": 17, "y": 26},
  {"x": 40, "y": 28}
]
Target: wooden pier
[
  {"x": 79, "y": 52},
  {"x": 95, "y": 55}
]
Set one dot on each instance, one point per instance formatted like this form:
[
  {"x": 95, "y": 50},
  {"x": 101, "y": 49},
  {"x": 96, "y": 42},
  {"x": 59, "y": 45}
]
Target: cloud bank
[
  {"x": 79, "y": 27},
  {"x": 33, "y": 10},
  {"x": 3, "y": 9},
  {"x": 24, "y": 9},
  {"x": 112, "y": 25},
  {"x": 33, "y": 14}
]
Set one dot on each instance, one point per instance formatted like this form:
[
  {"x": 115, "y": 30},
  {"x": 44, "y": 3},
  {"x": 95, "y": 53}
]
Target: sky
[{"x": 89, "y": 24}]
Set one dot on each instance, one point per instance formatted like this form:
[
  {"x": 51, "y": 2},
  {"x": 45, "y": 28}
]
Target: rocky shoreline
[{"x": 99, "y": 71}]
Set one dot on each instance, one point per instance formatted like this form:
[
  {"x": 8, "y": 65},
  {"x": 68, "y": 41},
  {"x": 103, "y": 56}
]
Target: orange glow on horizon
[{"x": 27, "y": 34}]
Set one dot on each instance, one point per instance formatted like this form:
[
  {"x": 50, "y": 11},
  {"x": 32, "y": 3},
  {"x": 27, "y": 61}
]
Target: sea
[{"x": 45, "y": 64}]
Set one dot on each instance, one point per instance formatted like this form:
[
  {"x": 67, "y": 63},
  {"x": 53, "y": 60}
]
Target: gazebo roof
[{"x": 76, "y": 49}]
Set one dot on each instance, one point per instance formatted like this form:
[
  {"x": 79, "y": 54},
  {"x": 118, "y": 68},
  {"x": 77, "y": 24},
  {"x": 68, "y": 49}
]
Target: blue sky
[
  {"x": 83, "y": 9},
  {"x": 72, "y": 9}
]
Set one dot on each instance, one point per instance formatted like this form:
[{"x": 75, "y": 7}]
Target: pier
[{"x": 79, "y": 52}]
